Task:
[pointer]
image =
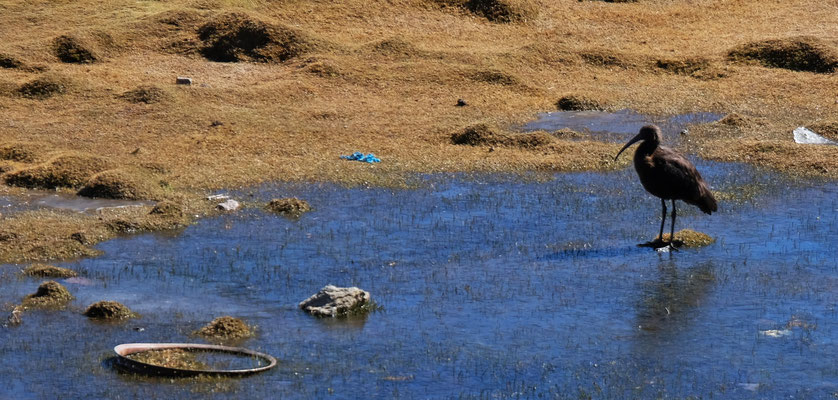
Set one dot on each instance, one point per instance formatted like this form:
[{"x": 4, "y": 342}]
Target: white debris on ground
[
  {"x": 805, "y": 136},
  {"x": 776, "y": 333},
  {"x": 229, "y": 205},
  {"x": 333, "y": 301}
]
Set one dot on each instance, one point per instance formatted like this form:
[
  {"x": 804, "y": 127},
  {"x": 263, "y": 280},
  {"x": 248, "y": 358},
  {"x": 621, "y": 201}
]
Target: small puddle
[
  {"x": 616, "y": 126},
  {"x": 36, "y": 199}
]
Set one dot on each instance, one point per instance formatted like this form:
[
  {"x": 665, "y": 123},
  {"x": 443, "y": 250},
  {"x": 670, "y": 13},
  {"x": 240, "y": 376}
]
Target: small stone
[
  {"x": 461, "y": 103},
  {"x": 182, "y": 80},
  {"x": 216, "y": 123},
  {"x": 685, "y": 132},
  {"x": 229, "y": 205},
  {"x": 218, "y": 197},
  {"x": 14, "y": 318},
  {"x": 333, "y": 301}
]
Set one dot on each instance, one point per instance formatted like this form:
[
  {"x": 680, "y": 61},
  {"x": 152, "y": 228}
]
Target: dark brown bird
[{"x": 667, "y": 174}]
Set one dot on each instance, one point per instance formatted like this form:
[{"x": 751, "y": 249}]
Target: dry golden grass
[{"x": 330, "y": 78}]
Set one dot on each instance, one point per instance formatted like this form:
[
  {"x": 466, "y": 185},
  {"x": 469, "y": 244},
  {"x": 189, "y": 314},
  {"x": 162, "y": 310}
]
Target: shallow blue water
[
  {"x": 492, "y": 286},
  {"x": 617, "y": 126}
]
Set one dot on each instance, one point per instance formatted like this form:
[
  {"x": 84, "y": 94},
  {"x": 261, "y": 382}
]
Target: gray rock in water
[
  {"x": 333, "y": 301},
  {"x": 229, "y": 205},
  {"x": 14, "y": 318}
]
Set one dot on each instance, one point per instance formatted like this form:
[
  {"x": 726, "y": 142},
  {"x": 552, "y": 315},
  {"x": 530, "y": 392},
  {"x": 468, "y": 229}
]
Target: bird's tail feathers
[{"x": 706, "y": 202}]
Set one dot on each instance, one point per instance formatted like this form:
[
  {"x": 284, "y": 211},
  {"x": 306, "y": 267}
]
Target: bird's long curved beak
[{"x": 636, "y": 138}]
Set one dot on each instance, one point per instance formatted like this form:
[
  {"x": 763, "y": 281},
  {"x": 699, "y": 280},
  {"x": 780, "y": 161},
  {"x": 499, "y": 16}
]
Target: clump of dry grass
[
  {"x": 226, "y": 328},
  {"x": 109, "y": 310},
  {"x": 48, "y": 271},
  {"x": 20, "y": 152},
  {"x": 485, "y": 135},
  {"x": 147, "y": 94},
  {"x": 71, "y": 49},
  {"x": 495, "y": 77},
  {"x": 393, "y": 47},
  {"x": 121, "y": 184},
  {"x": 167, "y": 208},
  {"x": 9, "y": 62},
  {"x": 47, "y": 235},
  {"x": 696, "y": 67},
  {"x": 49, "y": 294},
  {"x": 238, "y": 37},
  {"x": 170, "y": 358},
  {"x": 737, "y": 120},
  {"x": 689, "y": 238},
  {"x": 609, "y": 58},
  {"x": 802, "y": 53},
  {"x": 63, "y": 171},
  {"x": 504, "y": 11},
  {"x": 290, "y": 206},
  {"x": 578, "y": 103},
  {"x": 827, "y": 129},
  {"x": 43, "y": 88}
]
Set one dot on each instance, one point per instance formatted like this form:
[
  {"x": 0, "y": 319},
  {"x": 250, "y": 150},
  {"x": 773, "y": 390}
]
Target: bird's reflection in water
[{"x": 667, "y": 302}]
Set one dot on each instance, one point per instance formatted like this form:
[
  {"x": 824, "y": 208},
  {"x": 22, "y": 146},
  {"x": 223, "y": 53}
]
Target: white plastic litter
[{"x": 805, "y": 136}]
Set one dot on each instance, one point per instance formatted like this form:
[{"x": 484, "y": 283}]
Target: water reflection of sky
[{"x": 492, "y": 286}]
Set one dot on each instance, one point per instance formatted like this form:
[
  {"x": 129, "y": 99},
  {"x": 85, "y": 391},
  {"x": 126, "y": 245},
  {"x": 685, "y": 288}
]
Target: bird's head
[{"x": 649, "y": 132}]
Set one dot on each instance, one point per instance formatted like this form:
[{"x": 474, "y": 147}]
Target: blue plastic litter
[{"x": 358, "y": 156}]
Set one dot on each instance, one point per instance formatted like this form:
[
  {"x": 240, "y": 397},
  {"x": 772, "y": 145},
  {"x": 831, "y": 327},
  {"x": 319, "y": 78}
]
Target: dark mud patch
[
  {"x": 147, "y": 94},
  {"x": 226, "y": 328},
  {"x": 109, "y": 310},
  {"x": 485, "y": 135},
  {"x": 72, "y": 49},
  {"x": 63, "y": 171},
  {"x": 238, "y": 37},
  {"x": 48, "y": 271},
  {"x": 49, "y": 294},
  {"x": 121, "y": 184},
  {"x": 802, "y": 53},
  {"x": 290, "y": 206}
]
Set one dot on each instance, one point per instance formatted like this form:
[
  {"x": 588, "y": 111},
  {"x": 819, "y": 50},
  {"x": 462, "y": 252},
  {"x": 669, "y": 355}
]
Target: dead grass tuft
[
  {"x": 827, "y": 129},
  {"x": 109, "y": 310},
  {"x": 20, "y": 152},
  {"x": 9, "y": 62},
  {"x": 737, "y": 120},
  {"x": 168, "y": 209},
  {"x": 802, "y": 53},
  {"x": 394, "y": 47},
  {"x": 690, "y": 238},
  {"x": 237, "y": 37},
  {"x": 504, "y": 11},
  {"x": 63, "y": 171},
  {"x": 495, "y": 77},
  {"x": 225, "y": 328},
  {"x": 121, "y": 184},
  {"x": 71, "y": 49},
  {"x": 485, "y": 135},
  {"x": 49, "y": 294},
  {"x": 290, "y": 206},
  {"x": 696, "y": 67},
  {"x": 48, "y": 271},
  {"x": 147, "y": 94},
  {"x": 43, "y": 88},
  {"x": 608, "y": 58},
  {"x": 578, "y": 103}
]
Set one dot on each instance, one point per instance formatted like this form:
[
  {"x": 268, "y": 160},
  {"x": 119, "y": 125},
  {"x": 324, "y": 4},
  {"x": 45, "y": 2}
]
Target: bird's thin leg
[
  {"x": 663, "y": 219},
  {"x": 672, "y": 227}
]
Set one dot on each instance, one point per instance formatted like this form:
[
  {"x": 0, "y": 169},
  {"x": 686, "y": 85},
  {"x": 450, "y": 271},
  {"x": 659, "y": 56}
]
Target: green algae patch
[{"x": 48, "y": 271}]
